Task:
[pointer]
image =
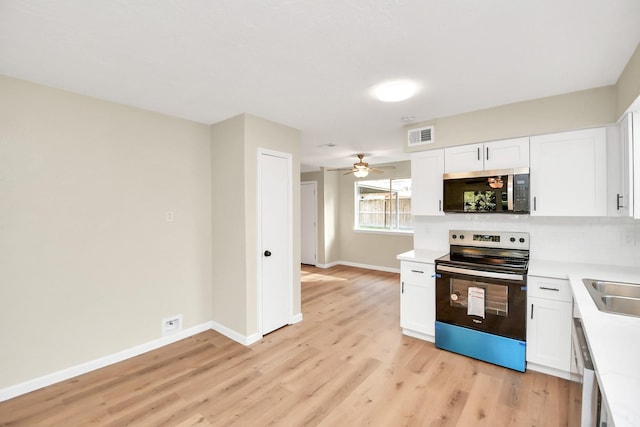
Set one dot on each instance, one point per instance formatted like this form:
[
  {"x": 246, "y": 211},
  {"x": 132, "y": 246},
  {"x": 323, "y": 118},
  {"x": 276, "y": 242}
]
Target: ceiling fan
[{"x": 361, "y": 169}]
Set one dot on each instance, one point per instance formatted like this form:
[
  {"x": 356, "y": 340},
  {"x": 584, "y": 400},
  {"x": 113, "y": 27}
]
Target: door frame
[
  {"x": 315, "y": 219},
  {"x": 262, "y": 152}
]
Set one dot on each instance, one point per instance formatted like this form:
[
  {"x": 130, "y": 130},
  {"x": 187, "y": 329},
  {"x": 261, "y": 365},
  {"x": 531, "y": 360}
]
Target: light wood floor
[{"x": 345, "y": 364}]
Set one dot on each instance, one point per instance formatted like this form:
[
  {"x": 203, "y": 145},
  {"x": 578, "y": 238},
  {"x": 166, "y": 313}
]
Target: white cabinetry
[
  {"x": 569, "y": 173},
  {"x": 549, "y": 317},
  {"x": 504, "y": 154},
  {"x": 427, "y": 168},
  {"x": 620, "y": 168},
  {"x": 418, "y": 300}
]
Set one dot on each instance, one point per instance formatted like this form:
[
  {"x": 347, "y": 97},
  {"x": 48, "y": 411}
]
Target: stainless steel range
[{"x": 481, "y": 296}]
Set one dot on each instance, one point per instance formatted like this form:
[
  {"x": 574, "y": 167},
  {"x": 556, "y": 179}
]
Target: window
[{"x": 383, "y": 204}]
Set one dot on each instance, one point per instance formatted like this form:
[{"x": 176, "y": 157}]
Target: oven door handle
[{"x": 488, "y": 274}]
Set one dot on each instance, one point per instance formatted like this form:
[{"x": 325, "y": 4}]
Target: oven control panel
[{"x": 490, "y": 239}]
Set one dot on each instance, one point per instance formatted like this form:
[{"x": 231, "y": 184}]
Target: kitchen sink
[
  {"x": 617, "y": 288},
  {"x": 624, "y": 305},
  {"x": 615, "y": 297}
]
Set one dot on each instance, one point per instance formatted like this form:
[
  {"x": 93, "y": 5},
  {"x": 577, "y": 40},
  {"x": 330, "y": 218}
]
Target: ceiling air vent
[{"x": 421, "y": 136}]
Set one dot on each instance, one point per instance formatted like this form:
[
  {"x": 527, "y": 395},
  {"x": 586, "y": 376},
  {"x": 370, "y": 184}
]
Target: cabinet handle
[
  {"x": 618, "y": 204},
  {"x": 402, "y": 290},
  {"x": 544, "y": 288},
  {"x": 417, "y": 271},
  {"x": 478, "y": 153},
  {"x": 532, "y": 311},
  {"x": 439, "y": 205},
  {"x": 487, "y": 148},
  {"x": 534, "y": 203}
]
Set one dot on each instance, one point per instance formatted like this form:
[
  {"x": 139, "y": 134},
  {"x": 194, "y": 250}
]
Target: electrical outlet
[
  {"x": 169, "y": 216},
  {"x": 171, "y": 325},
  {"x": 628, "y": 238}
]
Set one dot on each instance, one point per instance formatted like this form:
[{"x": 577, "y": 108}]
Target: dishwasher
[{"x": 592, "y": 413}]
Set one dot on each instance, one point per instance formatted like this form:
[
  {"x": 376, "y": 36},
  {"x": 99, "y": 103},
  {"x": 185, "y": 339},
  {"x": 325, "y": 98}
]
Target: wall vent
[{"x": 421, "y": 136}]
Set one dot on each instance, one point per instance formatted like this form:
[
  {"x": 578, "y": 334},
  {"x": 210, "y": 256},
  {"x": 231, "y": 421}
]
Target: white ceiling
[{"x": 311, "y": 64}]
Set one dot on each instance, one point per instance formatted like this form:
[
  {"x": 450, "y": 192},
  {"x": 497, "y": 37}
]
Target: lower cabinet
[
  {"x": 549, "y": 317},
  {"x": 418, "y": 299}
]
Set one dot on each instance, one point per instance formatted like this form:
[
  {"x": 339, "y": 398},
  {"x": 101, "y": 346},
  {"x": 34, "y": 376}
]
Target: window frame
[{"x": 356, "y": 207}]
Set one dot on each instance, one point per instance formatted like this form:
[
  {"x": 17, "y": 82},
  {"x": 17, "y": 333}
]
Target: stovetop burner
[{"x": 504, "y": 251}]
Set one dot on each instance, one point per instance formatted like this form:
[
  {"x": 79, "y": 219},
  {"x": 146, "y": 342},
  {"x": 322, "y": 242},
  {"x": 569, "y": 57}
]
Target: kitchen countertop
[
  {"x": 614, "y": 340},
  {"x": 422, "y": 255}
]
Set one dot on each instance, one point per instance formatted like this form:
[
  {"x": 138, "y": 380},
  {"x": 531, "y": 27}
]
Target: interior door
[
  {"x": 308, "y": 223},
  {"x": 275, "y": 238}
]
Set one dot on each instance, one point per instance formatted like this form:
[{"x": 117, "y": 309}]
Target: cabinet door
[
  {"x": 417, "y": 297},
  {"x": 549, "y": 333},
  {"x": 464, "y": 158},
  {"x": 569, "y": 173},
  {"x": 427, "y": 168},
  {"x": 507, "y": 154},
  {"x": 619, "y": 168}
]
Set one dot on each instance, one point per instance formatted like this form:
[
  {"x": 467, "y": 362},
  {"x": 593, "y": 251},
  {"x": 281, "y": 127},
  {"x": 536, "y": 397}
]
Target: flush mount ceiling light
[{"x": 395, "y": 91}]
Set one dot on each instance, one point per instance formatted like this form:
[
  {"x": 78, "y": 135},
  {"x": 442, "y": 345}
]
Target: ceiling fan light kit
[{"x": 360, "y": 172}]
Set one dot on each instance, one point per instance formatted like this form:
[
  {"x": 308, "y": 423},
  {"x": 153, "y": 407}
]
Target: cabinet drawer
[
  {"x": 549, "y": 288},
  {"x": 415, "y": 272}
]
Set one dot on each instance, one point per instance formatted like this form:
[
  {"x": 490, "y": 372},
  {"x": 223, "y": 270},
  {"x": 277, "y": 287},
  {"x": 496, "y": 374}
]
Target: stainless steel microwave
[{"x": 493, "y": 191}]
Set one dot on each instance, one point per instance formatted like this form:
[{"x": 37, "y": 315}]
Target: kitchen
[
  {"x": 565, "y": 246},
  {"x": 163, "y": 163}
]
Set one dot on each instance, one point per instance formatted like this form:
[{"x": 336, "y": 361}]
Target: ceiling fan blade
[
  {"x": 338, "y": 169},
  {"x": 348, "y": 173}
]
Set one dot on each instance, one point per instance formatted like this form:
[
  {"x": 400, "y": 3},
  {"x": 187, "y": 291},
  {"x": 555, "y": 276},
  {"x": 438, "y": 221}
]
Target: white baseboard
[
  {"x": 331, "y": 264},
  {"x": 296, "y": 318},
  {"x": 237, "y": 337},
  {"x": 73, "y": 371},
  {"x": 553, "y": 371},
  {"x": 358, "y": 265},
  {"x": 419, "y": 335},
  {"x": 250, "y": 339}
]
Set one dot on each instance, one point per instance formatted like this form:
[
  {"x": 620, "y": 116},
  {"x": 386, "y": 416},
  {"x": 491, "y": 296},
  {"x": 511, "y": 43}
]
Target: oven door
[{"x": 489, "y": 301}]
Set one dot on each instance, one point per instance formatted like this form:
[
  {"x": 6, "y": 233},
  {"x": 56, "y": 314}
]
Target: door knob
[{"x": 267, "y": 253}]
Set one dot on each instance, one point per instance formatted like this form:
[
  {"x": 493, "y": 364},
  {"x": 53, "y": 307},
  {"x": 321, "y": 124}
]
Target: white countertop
[
  {"x": 421, "y": 255},
  {"x": 614, "y": 340}
]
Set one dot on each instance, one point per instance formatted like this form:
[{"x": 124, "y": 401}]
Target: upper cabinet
[
  {"x": 569, "y": 173},
  {"x": 504, "y": 154},
  {"x": 427, "y": 168},
  {"x": 620, "y": 168}
]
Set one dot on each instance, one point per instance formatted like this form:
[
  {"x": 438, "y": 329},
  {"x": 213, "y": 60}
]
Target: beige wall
[
  {"x": 628, "y": 86},
  {"x": 594, "y": 107},
  {"x": 331, "y": 214},
  {"x": 88, "y": 264},
  {"x": 228, "y": 224},
  {"x": 235, "y": 241},
  {"x": 368, "y": 248}
]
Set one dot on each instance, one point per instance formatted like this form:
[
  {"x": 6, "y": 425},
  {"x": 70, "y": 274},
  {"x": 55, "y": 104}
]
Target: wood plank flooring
[{"x": 345, "y": 364}]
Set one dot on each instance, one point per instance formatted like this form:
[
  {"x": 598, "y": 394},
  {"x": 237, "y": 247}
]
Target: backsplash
[{"x": 612, "y": 241}]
